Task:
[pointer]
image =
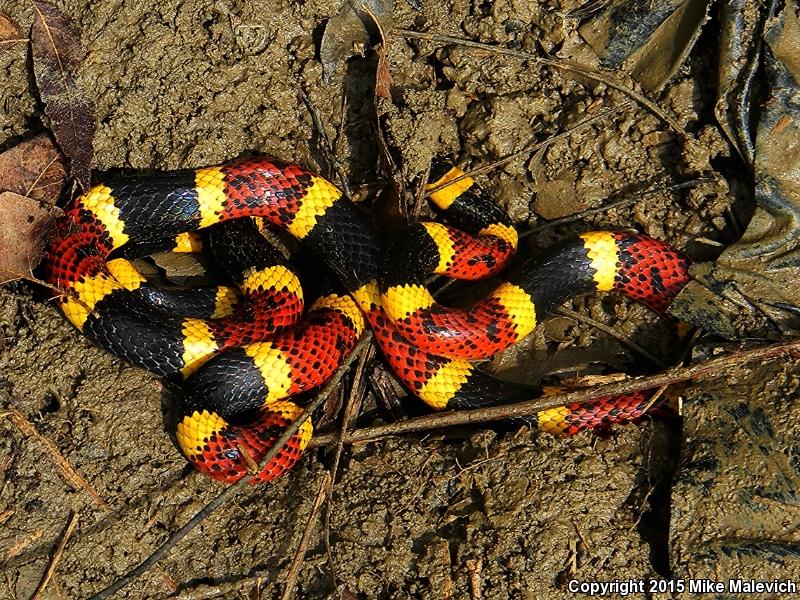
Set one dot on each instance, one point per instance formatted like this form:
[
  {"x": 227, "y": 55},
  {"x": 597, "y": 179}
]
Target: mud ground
[{"x": 195, "y": 82}]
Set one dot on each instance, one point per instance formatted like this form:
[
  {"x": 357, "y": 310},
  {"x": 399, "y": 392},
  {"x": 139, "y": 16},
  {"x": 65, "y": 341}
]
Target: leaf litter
[
  {"x": 57, "y": 52},
  {"x": 31, "y": 178},
  {"x": 10, "y": 32}
]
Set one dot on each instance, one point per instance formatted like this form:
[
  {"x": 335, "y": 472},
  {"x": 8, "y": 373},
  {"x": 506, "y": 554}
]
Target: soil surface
[{"x": 187, "y": 83}]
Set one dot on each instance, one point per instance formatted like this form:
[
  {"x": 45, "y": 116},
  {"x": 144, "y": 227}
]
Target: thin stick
[
  {"x": 350, "y": 409},
  {"x": 297, "y": 561},
  {"x": 419, "y": 201},
  {"x": 231, "y": 490},
  {"x": 69, "y": 472},
  {"x": 563, "y": 65},
  {"x": 705, "y": 370},
  {"x": 687, "y": 350},
  {"x": 447, "y": 585},
  {"x": 73, "y": 521}
]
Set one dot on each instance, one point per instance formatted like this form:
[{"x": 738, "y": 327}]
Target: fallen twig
[
  {"x": 351, "y": 409},
  {"x": 705, "y": 370},
  {"x": 69, "y": 472},
  {"x": 691, "y": 340},
  {"x": 73, "y": 521},
  {"x": 297, "y": 561},
  {"x": 443, "y": 553},
  {"x": 22, "y": 543},
  {"x": 475, "y": 568}
]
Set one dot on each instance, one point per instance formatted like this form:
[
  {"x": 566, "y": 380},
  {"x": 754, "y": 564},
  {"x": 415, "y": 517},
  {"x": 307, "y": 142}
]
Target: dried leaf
[
  {"x": 345, "y": 35},
  {"x": 348, "y": 32},
  {"x": 34, "y": 168},
  {"x": 383, "y": 78},
  {"x": 57, "y": 52},
  {"x": 178, "y": 267},
  {"x": 26, "y": 227},
  {"x": 9, "y": 31},
  {"x": 393, "y": 212}
]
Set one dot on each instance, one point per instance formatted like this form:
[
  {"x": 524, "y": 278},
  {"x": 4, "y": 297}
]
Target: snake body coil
[{"x": 242, "y": 359}]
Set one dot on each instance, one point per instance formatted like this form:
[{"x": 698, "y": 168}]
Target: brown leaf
[
  {"x": 9, "y": 31},
  {"x": 393, "y": 212},
  {"x": 180, "y": 268},
  {"x": 34, "y": 168},
  {"x": 349, "y": 32},
  {"x": 383, "y": 78},
  {"x": 57, "y": 51},
  {"x": 26, "y": 226}
]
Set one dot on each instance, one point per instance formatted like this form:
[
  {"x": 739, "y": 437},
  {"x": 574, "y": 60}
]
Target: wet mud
[{"x": 196, "y": 82}]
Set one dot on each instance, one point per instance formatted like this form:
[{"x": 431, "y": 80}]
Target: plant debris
[
  {"x": 34, "y": 168},
  {"x": 347, "y": 33},
  {"x": 26, "y": 227},
  {"x": 57, "y": 52},
  {"x": 10, "y": 32},
  {"x": 31, "y": 177},
  {"x": 651, "y": 49},
  {"x": 394, "y": 212}
]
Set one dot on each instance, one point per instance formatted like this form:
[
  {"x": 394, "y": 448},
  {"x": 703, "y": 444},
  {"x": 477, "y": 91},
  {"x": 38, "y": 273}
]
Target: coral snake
[{"x": 243, "y": 351}]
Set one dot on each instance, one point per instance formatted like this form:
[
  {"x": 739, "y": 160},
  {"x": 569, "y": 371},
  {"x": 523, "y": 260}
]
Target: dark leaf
[
  {"x": 26, "y": 227},
  {"x": 57, "y": 52},
  {"x": 345, "y": 35},
  {"x": 348, "y": 32},
  {"x": 34, "y": 168},
  {"x": 650, "y": 41}
]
